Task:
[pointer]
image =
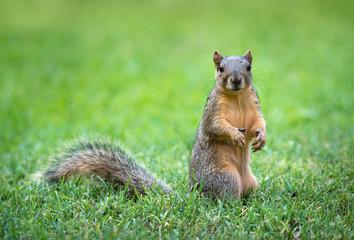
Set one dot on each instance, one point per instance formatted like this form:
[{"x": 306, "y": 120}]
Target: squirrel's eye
[
  {"x": 221, "y": 69},
  {"x": 249, "y": 68}
]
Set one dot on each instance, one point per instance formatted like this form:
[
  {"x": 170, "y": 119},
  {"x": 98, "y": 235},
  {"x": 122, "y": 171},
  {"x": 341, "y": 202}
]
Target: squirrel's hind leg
[
  {"x": 249, "y": 181},
  {"x": 223, "y": 184}
]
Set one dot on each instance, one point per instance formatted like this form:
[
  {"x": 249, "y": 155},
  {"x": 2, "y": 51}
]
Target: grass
[{"x": 140, "y": 73}]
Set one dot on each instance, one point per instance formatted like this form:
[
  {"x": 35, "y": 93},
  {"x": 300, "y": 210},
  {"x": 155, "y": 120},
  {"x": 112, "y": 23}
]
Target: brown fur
[
  {"x": 221, "y": 154},
  {"x": 107, "y": 160}
]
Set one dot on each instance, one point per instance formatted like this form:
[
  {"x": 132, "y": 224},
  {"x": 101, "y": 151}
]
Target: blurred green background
[{"x": 140, "y": 72}]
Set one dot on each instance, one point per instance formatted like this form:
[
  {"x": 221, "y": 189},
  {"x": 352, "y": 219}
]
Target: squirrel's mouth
[{"x": 234, "y": 88}]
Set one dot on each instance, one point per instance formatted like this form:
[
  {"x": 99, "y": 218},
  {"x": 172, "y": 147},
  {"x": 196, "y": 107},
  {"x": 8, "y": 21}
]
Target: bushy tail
[{"x": 107, "y": 160}]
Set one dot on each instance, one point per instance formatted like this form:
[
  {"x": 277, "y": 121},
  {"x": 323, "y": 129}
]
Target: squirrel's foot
[
  {"x": 238, "y": 139},
  {"x": 259, "y": 141}
]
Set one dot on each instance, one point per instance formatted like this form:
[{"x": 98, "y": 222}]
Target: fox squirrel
[
  {"x": 220, "y": 157},
  {"x": 232, "y": 117}
]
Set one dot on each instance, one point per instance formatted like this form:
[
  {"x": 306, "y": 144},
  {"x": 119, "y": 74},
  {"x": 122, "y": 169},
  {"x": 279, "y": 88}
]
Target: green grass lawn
[{"x": 140, "y": 72}]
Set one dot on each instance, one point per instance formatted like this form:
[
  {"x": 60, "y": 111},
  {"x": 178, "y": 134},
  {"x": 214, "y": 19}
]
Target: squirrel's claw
[
  {"x": 239, "y": 140},
  {"x": 240, "y": 144},
  {"x": 258, "y": 143},
  {"x": 242, "y": 129},
  {"x": 258, "y": 147}
]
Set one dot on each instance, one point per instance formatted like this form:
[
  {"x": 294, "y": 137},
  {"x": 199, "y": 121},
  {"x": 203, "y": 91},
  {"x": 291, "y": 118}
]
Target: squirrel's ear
[
  {"x": 217, "y": 58},
  {"x": 248, "y": 55}
]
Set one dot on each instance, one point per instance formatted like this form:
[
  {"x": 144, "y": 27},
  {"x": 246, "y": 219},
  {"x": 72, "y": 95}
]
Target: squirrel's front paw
[
  {"x": 238, "y": 139},
  {"x": 259, "y": 141}
]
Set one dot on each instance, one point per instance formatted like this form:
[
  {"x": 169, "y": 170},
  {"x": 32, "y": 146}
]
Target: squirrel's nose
[{"x": 235, "y": 80}]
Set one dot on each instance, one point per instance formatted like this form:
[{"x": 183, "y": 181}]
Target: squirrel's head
[{"x": 233, "y": 73}]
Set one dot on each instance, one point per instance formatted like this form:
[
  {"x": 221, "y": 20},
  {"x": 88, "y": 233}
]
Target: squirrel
[
  {"x": 219, "y": 161},
  {"x": 232, "y": 118}
]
